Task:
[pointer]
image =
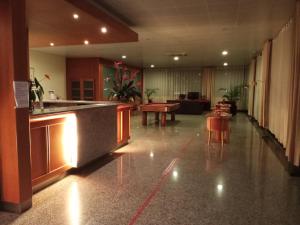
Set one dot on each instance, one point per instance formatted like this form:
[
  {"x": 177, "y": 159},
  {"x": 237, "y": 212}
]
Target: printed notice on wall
[{"x": 21, "y": 90}]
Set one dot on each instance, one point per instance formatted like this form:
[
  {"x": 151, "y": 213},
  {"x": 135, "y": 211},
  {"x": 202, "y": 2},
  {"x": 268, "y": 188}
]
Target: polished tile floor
[{"x": 170, "y": 176}]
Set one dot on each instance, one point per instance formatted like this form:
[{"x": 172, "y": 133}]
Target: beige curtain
[
  {"x": 208, "y": 84},
  {"x": 265, "y": 84},
  {"x": 229, "y": 77},
  {"x": 172, "y": 82},
  {"x": 280, "y": 83},
  {"x": 258, "y": 88},
  {"x": 293, "y": 142},
  {"x": 251, "y": 87}
]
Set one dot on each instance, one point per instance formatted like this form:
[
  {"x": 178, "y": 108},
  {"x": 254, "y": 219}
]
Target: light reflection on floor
[{"x": 171, "y": 176}]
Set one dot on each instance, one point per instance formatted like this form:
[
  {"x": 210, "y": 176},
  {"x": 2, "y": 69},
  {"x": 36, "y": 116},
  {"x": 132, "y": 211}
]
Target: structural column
[{"x": 15, "y": 173}]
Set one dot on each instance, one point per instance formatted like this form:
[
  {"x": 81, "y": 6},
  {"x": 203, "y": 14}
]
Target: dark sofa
[{"x": 195, "y": 107}]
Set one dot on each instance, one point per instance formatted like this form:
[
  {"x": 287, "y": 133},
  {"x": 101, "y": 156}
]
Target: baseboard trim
[
  {"x": 16, "y": 207},
  {"x": 276, "y": 147}
]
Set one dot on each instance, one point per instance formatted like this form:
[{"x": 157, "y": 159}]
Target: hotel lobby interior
[{"x": 161, "y": 112}]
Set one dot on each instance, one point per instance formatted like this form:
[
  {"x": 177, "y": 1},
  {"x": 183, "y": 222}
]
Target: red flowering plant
[{"x": 123, "y": 85}]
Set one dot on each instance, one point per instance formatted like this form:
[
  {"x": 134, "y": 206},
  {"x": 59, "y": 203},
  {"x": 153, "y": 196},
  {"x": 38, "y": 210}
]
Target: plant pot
[{"x": 233, "y": 107}]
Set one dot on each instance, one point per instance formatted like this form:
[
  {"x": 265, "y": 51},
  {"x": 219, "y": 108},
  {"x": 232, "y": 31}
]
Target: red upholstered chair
[{"x": 218, "y": 125}]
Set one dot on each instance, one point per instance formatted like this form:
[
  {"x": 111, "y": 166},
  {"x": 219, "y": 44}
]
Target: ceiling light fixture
[
  {"x": 51, "y": 44},
  {"x": 86, "y": 42},
  {"x": 103, "y": 30},
  {"x": 152, "y": 66},
  {"x": 75, "y": 16},
  {"x": 176, "y": 58},
  {"x": 225, "y": 52},
  {"x": 220, "y": 187},
  {"x": 124, "y": 56},
  {"x": 225, "y": 64}
]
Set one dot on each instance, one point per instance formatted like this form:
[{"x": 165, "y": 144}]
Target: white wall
[{"x": 53, "y": 65}]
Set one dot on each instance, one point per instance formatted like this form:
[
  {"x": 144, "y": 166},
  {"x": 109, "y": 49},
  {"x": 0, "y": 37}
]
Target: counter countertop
[
  {"x": 53, "y": 110},
  {"x": 81, "y": 102}
]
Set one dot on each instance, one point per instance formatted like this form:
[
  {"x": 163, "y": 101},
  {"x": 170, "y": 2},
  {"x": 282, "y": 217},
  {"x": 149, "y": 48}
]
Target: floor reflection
[
  {"x": 242, "y": 183},
  {"x": 74, "y": 204},
  {"x": 215, "y": 155}
]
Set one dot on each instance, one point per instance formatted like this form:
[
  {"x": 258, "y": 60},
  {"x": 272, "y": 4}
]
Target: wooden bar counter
[{"x": 73, "y": 136}]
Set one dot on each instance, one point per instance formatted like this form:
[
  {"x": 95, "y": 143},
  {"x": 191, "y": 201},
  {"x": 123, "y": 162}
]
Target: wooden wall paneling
[
  {"x": 56, "y": 148},
  {"x": 39, "y": 152},
  {"x": 15, "y": 171},
  {"x": 100, "y": 82},
  {"x": 126, "y": 125},
  {"x": 119, "y": 126},
  {"x": 51, "y": 20},
  {"x": 123, "y": 124}
]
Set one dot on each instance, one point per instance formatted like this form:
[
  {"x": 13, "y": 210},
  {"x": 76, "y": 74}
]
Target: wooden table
[{"x": 157, "y": 108}]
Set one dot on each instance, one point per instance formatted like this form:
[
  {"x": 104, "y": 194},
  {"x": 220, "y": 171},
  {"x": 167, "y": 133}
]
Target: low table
[{"x": 157, "y": 108}]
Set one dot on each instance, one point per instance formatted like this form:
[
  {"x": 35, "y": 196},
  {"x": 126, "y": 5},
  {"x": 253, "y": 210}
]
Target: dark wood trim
[
  {"x": 14, "y": 207},
  {"x": 44, "y": 123},
  {"x": 48, "y": 176}
]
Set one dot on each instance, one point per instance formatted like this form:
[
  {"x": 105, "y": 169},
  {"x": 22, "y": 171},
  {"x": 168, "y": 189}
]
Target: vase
[{"x": 41, "y": 103}]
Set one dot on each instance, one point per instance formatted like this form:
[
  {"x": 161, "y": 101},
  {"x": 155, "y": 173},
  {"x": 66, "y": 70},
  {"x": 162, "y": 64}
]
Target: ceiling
[
  {"x": 199, "y": 28},
  {"x": 51, "y": 21}
]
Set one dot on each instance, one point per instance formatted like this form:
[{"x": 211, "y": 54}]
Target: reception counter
[{"x": 73, "y": 135}]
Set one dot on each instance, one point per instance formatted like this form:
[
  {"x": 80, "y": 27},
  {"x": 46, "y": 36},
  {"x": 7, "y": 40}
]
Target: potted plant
[
  {"x": 149, "y": 92},
  {"x": 36, "y": 92},
  {"x": 231, "y": 96},
  {"x": 123, "y": 85}
]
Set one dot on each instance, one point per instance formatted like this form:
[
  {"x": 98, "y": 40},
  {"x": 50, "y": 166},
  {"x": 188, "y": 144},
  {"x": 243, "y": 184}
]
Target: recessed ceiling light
[
  {"x": 176, "y": 58},
  {"x": 75, "y": 16},
  {"x": 86, "y": 42},
  {"x": 220, "y": 187},
  {"x": 51, "y": 44},
  {"x": 152, "y": 66},
  {"x": 225, "y": 64},
  {"x": 103, "y": 30},
  {"x": 124, "y": 56},
  {"x": 225, "y": 52}
]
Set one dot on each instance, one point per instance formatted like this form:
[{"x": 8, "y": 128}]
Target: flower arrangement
[{"x": 123, "y": 85}]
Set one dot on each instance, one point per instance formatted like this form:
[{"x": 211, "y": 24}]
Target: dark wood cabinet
[
  {"x": 75, "y": 90},
  {"x": 83, "y": 89},
  {"x": 39, "y": 156},
  {"x": 84, "y": 79},
  {"x": 48, "y": 157}
]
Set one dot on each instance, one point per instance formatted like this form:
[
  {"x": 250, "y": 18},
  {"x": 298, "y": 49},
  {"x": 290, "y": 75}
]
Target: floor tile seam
[{"x": 156, "y": 188}]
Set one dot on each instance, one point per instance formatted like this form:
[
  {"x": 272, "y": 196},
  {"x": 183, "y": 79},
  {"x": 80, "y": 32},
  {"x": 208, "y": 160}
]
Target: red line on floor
[{"x": 158, "y": 186}]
